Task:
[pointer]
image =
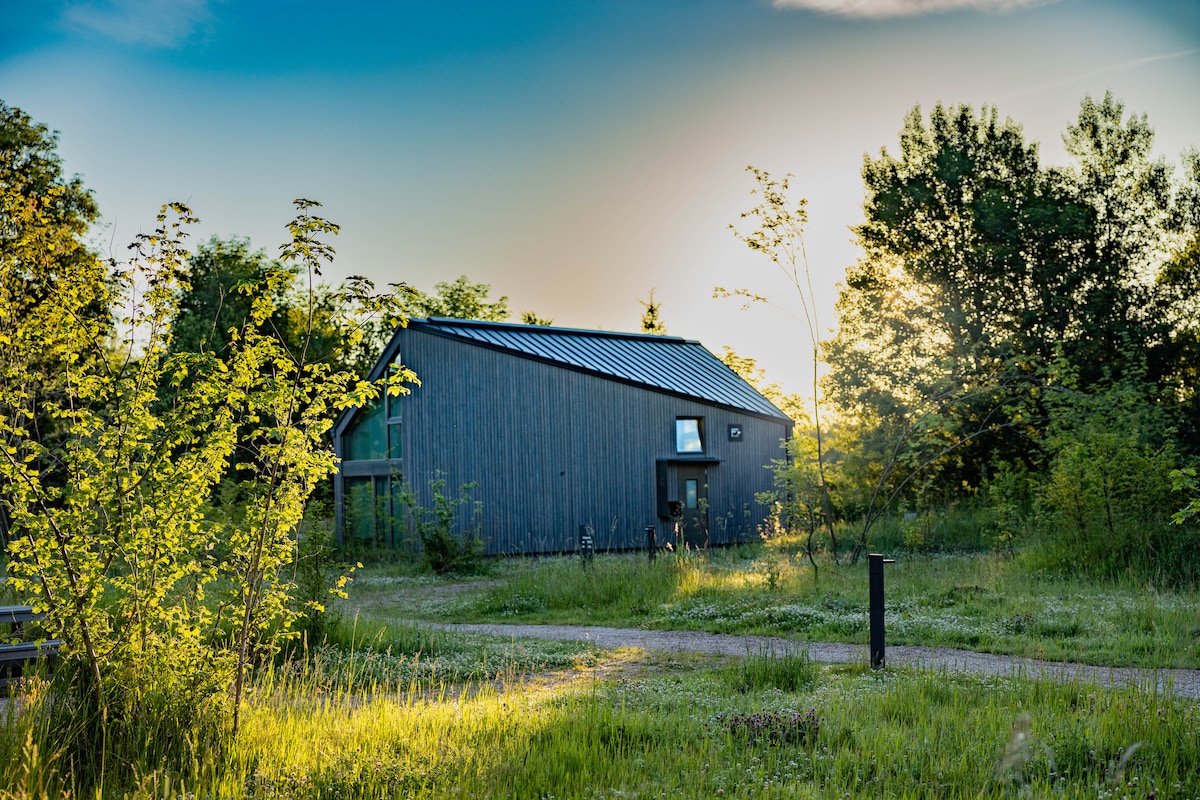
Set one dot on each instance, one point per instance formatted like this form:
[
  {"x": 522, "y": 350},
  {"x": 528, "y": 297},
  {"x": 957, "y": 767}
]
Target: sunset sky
[{"x": 575, "y": 155}]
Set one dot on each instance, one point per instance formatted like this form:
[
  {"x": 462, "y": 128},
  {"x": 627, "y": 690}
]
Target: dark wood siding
[{"x": 550, "y": 449}]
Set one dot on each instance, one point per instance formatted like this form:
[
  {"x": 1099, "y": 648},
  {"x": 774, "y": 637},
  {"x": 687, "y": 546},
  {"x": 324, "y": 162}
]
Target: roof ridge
[
  {"x": 681, "y": 366},
  {"x": 548, "y": 330}
]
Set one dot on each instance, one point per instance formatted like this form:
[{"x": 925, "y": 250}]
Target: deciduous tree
[
  {"x": 44, "y": 219},
  {"x": 459, "y": 299},
  {"x": 779, "y": 236},
  {"x": 987, "y": 278},
  {"x": 159, "y": 625}
]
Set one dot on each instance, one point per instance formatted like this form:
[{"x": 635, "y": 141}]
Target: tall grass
[
  {"x": 789, "y": 671},
  {"x": 614, "y": 588},
  {"x": 968, "y": 527},
  {"x": 682, "y": 733}
]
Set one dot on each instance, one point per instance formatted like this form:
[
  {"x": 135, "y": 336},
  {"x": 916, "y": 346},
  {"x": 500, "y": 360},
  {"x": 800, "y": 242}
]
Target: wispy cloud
[
  {"x": 868, "y": 9},
  {"x": 150, "y": 23},
  {"x": 1121, "y": 67}
]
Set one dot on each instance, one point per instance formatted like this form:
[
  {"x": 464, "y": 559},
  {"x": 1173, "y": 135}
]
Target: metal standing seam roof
[{"x": 668, "y": 363}]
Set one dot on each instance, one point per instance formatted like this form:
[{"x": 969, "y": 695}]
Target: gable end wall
[{"x": 550, "y": 449}]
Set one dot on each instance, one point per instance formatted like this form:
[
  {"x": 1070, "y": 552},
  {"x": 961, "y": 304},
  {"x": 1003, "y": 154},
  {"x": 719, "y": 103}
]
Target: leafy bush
[
  {"x": 963, "y": 527},
  {"x": 318, "y": 575},
  {"x": 444, "y": 551},
  {"x": 1108, "y": 502},
  {"x": 1184, "y": 480},
  {"x": 1009, "y": 493}
]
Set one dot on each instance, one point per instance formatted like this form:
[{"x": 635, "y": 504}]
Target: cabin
[{"x": 555, "y": 432}]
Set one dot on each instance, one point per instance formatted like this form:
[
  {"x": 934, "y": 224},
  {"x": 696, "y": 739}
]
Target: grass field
[
  {"x": 986, "y": 602},
  {"x": 632, "y": 725},
  {"x": 390, "y": 709}
]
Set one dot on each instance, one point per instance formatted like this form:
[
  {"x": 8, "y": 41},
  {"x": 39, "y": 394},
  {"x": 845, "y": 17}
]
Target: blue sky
[{"x": 575, "y": 155}]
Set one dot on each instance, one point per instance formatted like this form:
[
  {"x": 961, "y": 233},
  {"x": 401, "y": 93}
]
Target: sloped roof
[{"x": 667, "y": 363}]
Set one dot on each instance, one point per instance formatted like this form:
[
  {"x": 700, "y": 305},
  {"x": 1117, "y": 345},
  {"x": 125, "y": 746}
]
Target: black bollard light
[
  {"x": 651, "y": 542},
  {"x": 875, "y": 563}
]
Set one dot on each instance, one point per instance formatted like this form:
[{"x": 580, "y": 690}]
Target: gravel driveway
[{"x": 1180, "y": 682}]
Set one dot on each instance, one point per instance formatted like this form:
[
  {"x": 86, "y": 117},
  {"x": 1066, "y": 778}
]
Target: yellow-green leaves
[{"x": 112, "y": 528}]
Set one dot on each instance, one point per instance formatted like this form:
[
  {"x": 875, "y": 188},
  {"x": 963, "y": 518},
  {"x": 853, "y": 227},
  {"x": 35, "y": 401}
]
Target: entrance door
[{"x": 693, "y": 499}]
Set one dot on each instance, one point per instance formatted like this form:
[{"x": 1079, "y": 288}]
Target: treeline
[
  {"x": 320, "y": 319},
  {"x": 1021, "y": 338}
]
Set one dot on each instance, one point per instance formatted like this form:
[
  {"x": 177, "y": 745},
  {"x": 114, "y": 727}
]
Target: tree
[
  {"x": 159, "y": 626},
  {"x": 1180, "y": 280},
  {"x": 531, "y": 318},
  {"x": 985, "y": 276},
  {"x": 780, "y": 237},
  {"x": 957, "y": 270},
  {"x": 1129, "y": 197},
  {"x": 213, "y": 303},
  {"x": 321, "y": 320},
  {"x": 461, "y": 299},
  {"x": 789, "y": 403},
  {"x": 798, "y": 502},
  {"x": 217, "y": 294},
  {"x": 651, "y": 318},
  {"x": 44, "y": 217}
]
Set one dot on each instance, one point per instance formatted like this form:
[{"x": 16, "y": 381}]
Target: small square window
[
  {"x": 735, "y": 432},
  {"x": 689, "y": 435}
]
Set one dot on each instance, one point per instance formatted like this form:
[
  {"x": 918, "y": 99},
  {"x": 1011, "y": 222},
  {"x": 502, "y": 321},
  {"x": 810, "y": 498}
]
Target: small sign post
[{"x": 587, "y": 545}]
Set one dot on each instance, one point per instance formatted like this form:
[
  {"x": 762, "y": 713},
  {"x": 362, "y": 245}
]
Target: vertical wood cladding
[{"x": 549, "y": 449}]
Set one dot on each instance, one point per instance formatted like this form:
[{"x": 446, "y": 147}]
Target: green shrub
[
  {"x": 444, "y": 551},
  {"x": 163, "y": 604},
  {"x": 318, "y": 575},
  {"x": 1107, "y": 506},
  {"x": 967, "y": 526},
  {"x": 1009, "y": 494}
]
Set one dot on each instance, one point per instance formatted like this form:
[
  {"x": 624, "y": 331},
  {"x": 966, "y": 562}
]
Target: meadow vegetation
[
  {"x": 982, "y": 601},
  {"x": 486, "y": 718},
  {"x": 1014, "y": 418}
]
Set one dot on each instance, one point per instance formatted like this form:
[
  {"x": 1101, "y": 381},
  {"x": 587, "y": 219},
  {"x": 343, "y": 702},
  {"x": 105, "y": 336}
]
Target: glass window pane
[
  {"x": 394, "y": 450},
  {"x": 396, "y": 510},
  {"x": 383, "y": 508},
  {"x": 360, "y": 508},
  {"x": 393, "y": 403},
  {"x": 687, "y": 436},
  {"x": 368, "y": 437},
  {"x": 690, "y": 493}
]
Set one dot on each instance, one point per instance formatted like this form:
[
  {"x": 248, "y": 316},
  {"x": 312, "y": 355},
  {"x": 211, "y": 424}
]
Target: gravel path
[{"x": 1180, "y": 682}]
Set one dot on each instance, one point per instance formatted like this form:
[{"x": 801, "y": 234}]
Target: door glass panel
[{"x": 690, "y": 490}]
